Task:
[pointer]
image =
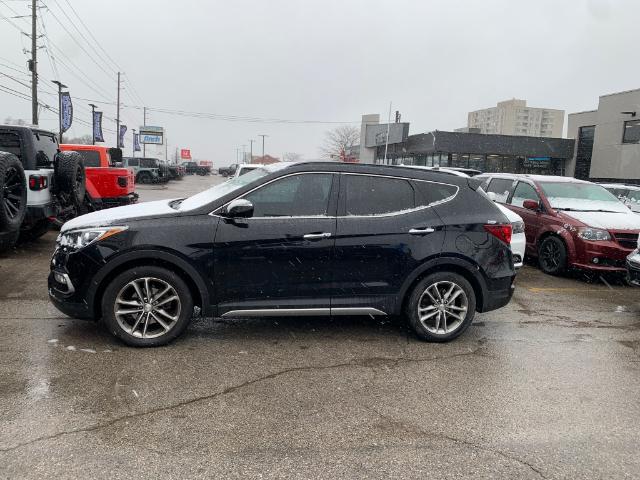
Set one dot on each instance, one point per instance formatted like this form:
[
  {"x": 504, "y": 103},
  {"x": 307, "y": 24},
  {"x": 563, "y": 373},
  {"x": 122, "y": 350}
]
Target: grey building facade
[{"x": 607, "y": 140}]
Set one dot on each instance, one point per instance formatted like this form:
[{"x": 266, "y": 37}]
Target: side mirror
[
  {"x": 239, "y": 208},
  {"x": 531, "y": 205}
]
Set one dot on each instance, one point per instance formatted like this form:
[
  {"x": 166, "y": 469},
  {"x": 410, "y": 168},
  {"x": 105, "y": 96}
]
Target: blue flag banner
[
  {"x": 136, "y": 142},
  {"x": 97, "y": 127},
  {"x": 66, "y": 111},
  {"x": 123, "y": 130}
]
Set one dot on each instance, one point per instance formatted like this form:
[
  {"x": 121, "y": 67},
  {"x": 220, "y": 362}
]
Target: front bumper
[
  {"x": 633, "y": 268},
  {"x": 606, "y": 256}
]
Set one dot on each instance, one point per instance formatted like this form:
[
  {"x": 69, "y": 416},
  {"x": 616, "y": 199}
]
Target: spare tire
[
  {"x": 70, "y": 177},
  {"x": 13, "y": 193}
]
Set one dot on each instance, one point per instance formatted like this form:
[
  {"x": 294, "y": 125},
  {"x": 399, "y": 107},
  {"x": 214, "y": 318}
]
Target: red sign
[{"x": 185, "y": 154}]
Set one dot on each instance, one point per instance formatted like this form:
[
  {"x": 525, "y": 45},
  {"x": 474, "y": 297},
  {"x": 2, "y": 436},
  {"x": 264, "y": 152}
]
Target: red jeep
[{"x": 107, "y": 185}]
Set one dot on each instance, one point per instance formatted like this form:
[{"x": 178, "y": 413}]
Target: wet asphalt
[{"x": 547, "y": 387}]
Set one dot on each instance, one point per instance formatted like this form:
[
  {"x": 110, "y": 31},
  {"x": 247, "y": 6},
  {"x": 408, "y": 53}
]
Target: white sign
[
  {"x": 154, "y": 139},
  {"x": 153, "y": 135}
]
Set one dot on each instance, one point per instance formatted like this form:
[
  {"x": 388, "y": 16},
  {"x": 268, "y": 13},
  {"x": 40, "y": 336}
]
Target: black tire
[
  {"x": 70, "y": 176},
  {"x": 8, "y": 240},
  {"x": 441, "y": 324},
  {"x": 552, "y": 256},
  {"x": 181, "y": 309},
  {"x": 35, "y": 232},
  {"x": 144, "y": 177},
  {"x": 13, "y": 193}
]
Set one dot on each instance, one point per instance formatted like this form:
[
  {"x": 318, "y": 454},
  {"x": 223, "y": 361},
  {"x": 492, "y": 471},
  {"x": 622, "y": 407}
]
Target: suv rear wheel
[
  {"x": 144, "y": 177},
  {"x": 147, "y": 306},
  {"x": 13, "y": 193},
  {"x": 552, "y": 256},
  {"x": 441, "y": 306}
]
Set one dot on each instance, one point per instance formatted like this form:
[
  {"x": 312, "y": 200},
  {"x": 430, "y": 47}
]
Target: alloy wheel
[
  {"x": 550, "y": 255},
  {"x": 442, "y": 307},
  {"x": 13, "y": 192},
  {"x": 147, "y": 307}
]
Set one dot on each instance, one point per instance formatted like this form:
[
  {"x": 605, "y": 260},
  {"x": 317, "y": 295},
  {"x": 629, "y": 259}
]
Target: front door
[
  {"x": 525, "y": 191},
  {"x": 385, "y": 229},
  {"x": 280, "y": 257}
]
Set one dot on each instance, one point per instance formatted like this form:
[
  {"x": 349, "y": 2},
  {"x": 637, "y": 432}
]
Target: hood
[
  {"x": 606, "y": 220},
  {"x": 111, "y": 216}
]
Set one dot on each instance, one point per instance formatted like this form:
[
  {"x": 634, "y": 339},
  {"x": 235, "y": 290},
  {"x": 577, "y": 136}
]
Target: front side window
[
  {"x": 148, "y": 163},
  {"x": 500, "y": 187},
  {"x": 523, "y": 192},
  {"x": 305, "y": 195},
  {"x": 369, "y": 195},
  {"x": 631, "y": 132}
]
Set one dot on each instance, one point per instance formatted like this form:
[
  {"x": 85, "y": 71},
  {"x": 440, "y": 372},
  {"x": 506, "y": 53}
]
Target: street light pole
[
  {"x": 244, "y": 154},
  {"x": 263, "y": 145},
  {"x": 93, "y": 123},
  {"x": 60, "y": 87},
  {"x": 251, "y": 150},
  {"x": 133, "y": 144}
]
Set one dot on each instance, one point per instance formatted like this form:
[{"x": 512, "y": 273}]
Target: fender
[
  {"x": 152, "y": 254},
  {"x": 445, "y": 259},
  {"x": 562, "y": 231}
]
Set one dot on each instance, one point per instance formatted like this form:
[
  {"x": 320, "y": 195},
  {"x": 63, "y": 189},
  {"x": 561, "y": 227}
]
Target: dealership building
[
  {"x": 607, "y": 140},
  {"x": 484, "y": 152}
]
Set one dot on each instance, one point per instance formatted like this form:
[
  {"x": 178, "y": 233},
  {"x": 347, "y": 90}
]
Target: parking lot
[{"x": 546, "y": 387}]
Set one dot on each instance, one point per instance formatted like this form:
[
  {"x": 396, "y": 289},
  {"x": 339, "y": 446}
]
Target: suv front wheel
[
  {"x": 441, "y": 306},
  {"x": 147, "y": 306}
]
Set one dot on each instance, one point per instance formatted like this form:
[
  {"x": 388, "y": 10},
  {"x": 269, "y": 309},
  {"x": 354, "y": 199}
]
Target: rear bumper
[{"x": 497, "y": 294}]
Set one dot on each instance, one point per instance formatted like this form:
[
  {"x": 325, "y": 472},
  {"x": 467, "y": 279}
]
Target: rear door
[{"x": 385, "y": 229}]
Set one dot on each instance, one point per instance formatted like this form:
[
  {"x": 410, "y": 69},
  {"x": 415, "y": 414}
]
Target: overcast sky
[{"x": 325, "y": 60}]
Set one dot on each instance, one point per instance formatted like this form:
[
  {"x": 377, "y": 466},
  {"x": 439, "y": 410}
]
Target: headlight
[
  {"x": 517, "y": 227},
  {"x": 80, "y": 238},
  {"x": 593, "y": 234}
]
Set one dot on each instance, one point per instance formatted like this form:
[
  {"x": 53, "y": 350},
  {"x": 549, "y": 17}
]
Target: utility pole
[
  {"x": 237, "y": 154},
  {"x": 244, "y": 154},
  {"x": 60, "y": 87},
  {"x": 263, "y": 145},
  {"x": 93, "y": 123},
  {"x": 34, "y": 66},
  {"x": 144, "y": 124},
  {"x": 386, "y": 143},
  {"x": 133, "y": 143},
  {"x": 251, "y": 153},
  {"x": 118, "y": 116}
]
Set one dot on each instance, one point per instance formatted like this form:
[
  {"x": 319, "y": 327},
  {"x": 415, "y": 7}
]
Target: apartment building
[{"x": 513, "y": 117}]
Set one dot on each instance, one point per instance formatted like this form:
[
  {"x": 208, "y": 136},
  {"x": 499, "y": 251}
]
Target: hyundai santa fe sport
[
  {"x": 291, "y": 239},
  {"x": 569, "y": 223}
]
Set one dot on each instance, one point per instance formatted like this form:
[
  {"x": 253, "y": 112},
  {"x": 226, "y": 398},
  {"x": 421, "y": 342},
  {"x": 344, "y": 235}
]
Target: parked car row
[{"x": 44, "y": 183}]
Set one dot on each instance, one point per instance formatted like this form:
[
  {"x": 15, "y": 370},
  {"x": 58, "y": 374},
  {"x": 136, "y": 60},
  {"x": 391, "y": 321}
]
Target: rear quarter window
[
  {"x": 428, "y": 193},
  {"x": 370, "y": 195}
]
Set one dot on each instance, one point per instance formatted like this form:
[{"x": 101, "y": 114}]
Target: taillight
[
  {"x": 38, "y": 182},
  {"x": 122, "y": 182},
  {"x": 501, "y": 232}
]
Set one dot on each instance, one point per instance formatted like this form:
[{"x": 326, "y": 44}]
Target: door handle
[
  {"x": 316, "y": 236},
  {"x": 421, "y": 231}
]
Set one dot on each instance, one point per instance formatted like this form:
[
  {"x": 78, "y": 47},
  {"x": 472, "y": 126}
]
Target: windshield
[
  {"x": 203, "y": 198},
  {"x": 581, "y": 197}
]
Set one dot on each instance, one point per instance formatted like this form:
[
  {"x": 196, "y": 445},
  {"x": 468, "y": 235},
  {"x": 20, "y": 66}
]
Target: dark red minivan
[{"x": 569, "y": 223}]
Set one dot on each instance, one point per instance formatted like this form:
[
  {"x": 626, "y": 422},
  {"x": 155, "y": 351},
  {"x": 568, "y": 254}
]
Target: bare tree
[
  {"x": 82, "y": 140},
  {"x": 339, "y": 141},
  {"x": 291, "y": 157}
]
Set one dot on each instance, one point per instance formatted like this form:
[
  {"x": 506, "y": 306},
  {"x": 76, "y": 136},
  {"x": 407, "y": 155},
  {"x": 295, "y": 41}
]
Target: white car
[
  {"x": 518, "y": 239},
  {"x": 246, "y": 168},
  {"x": 627, "y": 194}
]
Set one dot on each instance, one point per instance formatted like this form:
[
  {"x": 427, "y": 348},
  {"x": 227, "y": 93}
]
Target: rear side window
[
  {"x": 501, "y": 187},
  {"x": 148, "y": 163},
  {"x": 369, "y": 195},
  {"x": 46, "y": 148},
  {"x": 132, "y": 162},
  {"x": 91, "y": 157},
  {"x": 10, "y": 142},
  {"x": 428, "y": 193},
  {"x": 523, "y": 192}
]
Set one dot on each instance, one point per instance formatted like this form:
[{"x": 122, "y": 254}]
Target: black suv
[{"x": 291, "y": 239}]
